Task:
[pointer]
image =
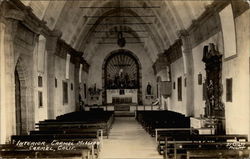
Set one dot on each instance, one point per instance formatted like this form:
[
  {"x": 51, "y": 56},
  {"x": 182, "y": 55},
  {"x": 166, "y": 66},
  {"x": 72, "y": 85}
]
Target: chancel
[{"x": 113, "y": 79}]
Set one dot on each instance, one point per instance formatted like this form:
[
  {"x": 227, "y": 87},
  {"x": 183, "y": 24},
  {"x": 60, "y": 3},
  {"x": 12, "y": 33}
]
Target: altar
[{"x": 122, "y": 96}]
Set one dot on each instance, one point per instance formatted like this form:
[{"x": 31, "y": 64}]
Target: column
[
  {"x": 51, "y": 45},
  {"x": 188, "y": 71},
  {"x": 2, "y": 84},
  {"x": 77, "y": 83},
  {"x": 7, "y": 84}
]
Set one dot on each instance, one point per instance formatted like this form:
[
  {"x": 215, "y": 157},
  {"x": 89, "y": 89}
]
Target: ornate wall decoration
[
  {"x": 122, "y": 72},
  {"x": 213, "y": 62}
]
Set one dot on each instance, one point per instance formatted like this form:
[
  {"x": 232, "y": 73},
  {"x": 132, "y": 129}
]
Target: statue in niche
[
  {"x": 149, "y": 87},
  {"x": 122, "y": 80},
  {"x": 120, "y": 73}
]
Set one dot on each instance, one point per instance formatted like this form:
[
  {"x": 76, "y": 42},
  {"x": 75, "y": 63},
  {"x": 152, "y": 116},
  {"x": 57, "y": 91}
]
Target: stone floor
[{"x": 128, "y": 140}]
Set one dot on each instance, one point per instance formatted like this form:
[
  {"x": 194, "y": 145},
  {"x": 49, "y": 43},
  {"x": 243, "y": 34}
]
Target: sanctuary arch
[{"x": 122, "y": 78}]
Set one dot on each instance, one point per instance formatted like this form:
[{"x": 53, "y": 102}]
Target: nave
[{"x": 129, "y": 140}]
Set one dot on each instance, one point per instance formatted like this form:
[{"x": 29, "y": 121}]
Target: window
[
  {"x": 72, "y": 86},
  {"x": 229, "y": 90},
  {"x": 174, "y": 85},
  {"x": 40, "y": 81},
  {"x": 179, "y": 89},
  {"x": 65, "y": 92},
  {"x": 40, "y": 99}
]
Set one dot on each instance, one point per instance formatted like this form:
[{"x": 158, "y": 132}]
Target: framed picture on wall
[
  {"x": 40, "y": 81},
  {"x": 179, "y": 85},
  {"x": 40, "y": 99},
  {"x": 65, "y": 92}
]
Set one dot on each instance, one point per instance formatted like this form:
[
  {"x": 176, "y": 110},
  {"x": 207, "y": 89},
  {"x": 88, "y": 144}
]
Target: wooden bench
[
  {"x": 51, "y": 151},
  {"x": 66, "y": 123},
  {"x": 80, "y": 133},
  {"x": 54, "y": 138},
  {"x": 162, "y": 133},
  {"x": 151, "y": 120},
  {"x": 177, "y": 146},
  {"x": 22, "y": 153},
  {"x": 239, "y": 154}
]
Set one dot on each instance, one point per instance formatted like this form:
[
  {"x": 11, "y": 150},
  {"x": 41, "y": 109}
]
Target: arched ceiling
[{"x": 150, "y": 23}]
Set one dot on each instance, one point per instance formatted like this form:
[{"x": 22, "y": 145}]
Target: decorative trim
[
  {"x": 161, "y": 63},
  {"x": 174, "y": 52},
  {"x": 208, "y": 24}
]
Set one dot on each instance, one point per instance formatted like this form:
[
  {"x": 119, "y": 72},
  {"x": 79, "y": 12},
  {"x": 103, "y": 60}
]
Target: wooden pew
[
  {"x": 180, "y": 149},
  {"x": 77, "y": 128},
  {"x": 162, "y": 133},
  {"x": 55, "y": 138},
  {"x": 76, "y": 154},
  {"x": 222, "y": 154},
  {"x": 151, "y": 120},
  {"x": 13, "y": 151},
  {"x": 104, "y": 121},
  {"x": 177, "y": 146}
]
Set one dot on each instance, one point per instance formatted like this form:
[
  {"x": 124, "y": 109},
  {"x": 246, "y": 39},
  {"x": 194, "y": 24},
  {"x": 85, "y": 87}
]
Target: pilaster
[
  {"x": 188, "y": 71},
  {"x": 51, "y": 47},
  {"x": 77, "y": 59},
  {"x": 8, "y": 27}
]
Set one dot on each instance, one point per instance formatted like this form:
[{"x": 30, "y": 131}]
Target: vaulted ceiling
[{"x": 153, "y": 24}]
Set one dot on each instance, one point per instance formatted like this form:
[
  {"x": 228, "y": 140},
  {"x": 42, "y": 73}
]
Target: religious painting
[
  {"x": 179, "y": 85},
  {"x": 65, "y": 92},
  {"x": 40, "y": 81},
  {"x": 40, "y": 99}
]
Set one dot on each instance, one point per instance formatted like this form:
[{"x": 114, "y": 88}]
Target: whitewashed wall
[
  {"x": 60, "y": 72},
  {"x": 237, "y": 111}
]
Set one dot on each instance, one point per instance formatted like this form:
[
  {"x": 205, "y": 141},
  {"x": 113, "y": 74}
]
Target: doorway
[{"x": 18, "y": 104}]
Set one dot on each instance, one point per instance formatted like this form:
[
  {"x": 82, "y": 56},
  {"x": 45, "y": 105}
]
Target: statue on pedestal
[{"x": 149, "y": 89}]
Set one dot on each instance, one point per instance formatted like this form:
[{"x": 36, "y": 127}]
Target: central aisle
[{"x": 129, "y": 140}]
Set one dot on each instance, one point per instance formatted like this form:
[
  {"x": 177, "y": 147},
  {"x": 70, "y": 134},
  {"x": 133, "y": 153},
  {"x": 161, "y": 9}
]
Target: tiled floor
[{"x": 128, "y": 140}]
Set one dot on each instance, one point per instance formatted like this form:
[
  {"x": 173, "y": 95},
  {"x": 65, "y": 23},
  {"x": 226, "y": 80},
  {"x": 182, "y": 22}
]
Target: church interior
[{"x": 111, "y": 79}]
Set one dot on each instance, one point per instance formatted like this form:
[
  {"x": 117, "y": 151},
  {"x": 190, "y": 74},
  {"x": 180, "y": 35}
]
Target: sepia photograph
[{"x": 124, "y": 79}]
